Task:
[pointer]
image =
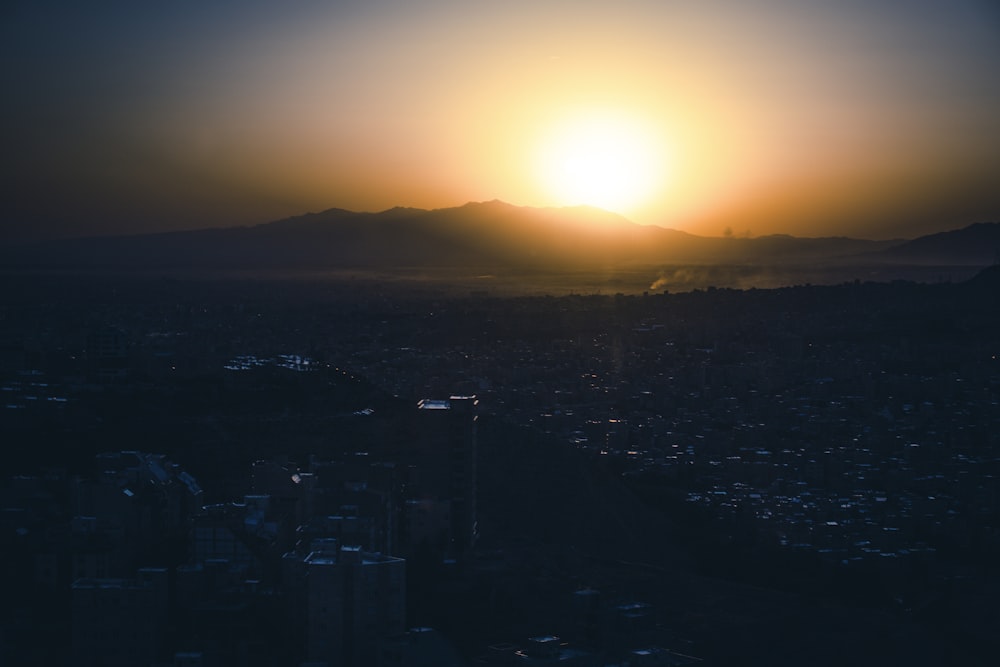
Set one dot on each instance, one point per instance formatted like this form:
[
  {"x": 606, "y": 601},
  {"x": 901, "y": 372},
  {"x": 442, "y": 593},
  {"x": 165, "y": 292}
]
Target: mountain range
[{"x": 485, "y": 235}]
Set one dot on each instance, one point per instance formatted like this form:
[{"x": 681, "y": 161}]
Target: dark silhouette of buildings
[
  {"x": 443, "y": 509},
  {"x": 345, "y": 601},
  {"x": 120, "y": 622}
]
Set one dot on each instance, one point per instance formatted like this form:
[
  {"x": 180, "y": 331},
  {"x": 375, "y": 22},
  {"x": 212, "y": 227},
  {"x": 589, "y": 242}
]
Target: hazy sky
[{"x": 865, "y": 118}]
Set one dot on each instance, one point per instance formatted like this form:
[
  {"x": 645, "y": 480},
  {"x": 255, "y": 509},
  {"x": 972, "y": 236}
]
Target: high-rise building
[
  {"x": 445, "y": 462},
  {"x": 120, "y": 621},
  {"x": 347, "y": 600}
]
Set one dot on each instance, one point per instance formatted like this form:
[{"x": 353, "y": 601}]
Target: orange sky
[{"x": 871, "y": 119}]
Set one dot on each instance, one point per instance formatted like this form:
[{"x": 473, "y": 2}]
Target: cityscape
[
  {"x": 213, "y": 472},
  {"x": 512, "y": 332}
]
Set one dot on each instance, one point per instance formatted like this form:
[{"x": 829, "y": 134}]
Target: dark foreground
[{"x": 803, "y": 475}]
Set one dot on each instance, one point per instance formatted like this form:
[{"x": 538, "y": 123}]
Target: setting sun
[
  {"x": 862, "y": 119},
  {"x": 609, "y": 160}
]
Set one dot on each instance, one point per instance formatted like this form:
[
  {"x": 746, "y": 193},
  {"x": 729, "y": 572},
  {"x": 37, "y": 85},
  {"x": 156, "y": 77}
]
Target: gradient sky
[{"x": 870, "y": 118}]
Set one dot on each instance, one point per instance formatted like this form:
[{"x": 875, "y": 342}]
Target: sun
[{"x": 611, "y": 160}]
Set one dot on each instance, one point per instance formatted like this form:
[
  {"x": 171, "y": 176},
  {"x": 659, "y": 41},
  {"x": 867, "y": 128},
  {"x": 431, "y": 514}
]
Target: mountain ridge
[{"x": 484, "y": 234}]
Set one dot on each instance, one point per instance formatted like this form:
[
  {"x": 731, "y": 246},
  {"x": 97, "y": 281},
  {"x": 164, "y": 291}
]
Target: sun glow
[{"x": 609, "y": 160}]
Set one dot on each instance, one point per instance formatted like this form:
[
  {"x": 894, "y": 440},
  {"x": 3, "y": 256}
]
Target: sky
[{"x": 872, "y": 119}]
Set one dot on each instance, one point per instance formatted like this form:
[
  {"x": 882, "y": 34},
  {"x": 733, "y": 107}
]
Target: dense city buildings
[{"x": 284, "y": 474}]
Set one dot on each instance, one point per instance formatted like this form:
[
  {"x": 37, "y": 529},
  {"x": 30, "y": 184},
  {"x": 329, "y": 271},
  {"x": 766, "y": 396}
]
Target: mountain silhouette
[
  {"x": 987, "y": 281},
  {"x": 478, "y": 235},
  {"x": 976, "y": 244}
]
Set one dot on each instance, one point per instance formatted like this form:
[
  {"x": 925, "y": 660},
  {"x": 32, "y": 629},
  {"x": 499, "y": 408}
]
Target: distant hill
[
  {"x": 976, "y": 244},
  {"x": 986, "y": 282},
  {"x": 479, "y": 235}
]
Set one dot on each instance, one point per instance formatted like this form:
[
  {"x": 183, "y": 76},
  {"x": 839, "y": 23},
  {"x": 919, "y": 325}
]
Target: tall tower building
[
  {"x": 344, "y": 602},
  {"x": 445, "y": 463}
]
